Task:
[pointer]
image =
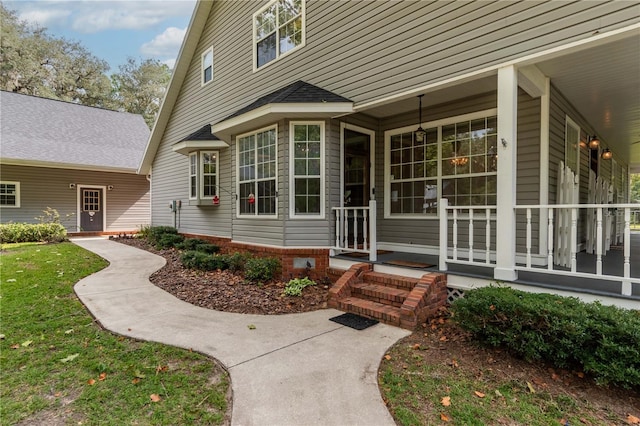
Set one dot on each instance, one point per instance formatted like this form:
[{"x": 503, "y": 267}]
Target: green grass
[{"x": 52, "y": 351}]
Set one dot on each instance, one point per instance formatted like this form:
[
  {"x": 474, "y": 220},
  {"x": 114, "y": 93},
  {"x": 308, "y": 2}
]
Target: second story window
[
  {"x": 207, "y": 66},
  {"x": 278, "y": 28}
]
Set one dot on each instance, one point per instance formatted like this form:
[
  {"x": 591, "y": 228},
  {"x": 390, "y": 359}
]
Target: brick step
[
  {"x": 379, "y": 293},
  {"x": 384, "y": 313},
  {"x": 389, "y": 280}
]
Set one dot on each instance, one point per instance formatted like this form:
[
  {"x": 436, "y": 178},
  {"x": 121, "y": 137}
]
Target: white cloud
[
  {"x": 44, "y": 17},
  {"x": 170, "y": 62},
  {"x": 166, "y": 44}
]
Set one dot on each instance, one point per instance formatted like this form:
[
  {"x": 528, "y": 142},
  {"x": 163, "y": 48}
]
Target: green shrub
[
  {"x": 261, "y": 269},
  {"x": 168, "y": 240},
  {"x": 295, "y": 286},
  {"x": 28, "y": 232},
  {"x": 208, "y": 248},
  {"x": 236, "y": 261},
  {"x": 604, "y": 341},
  {"x": 190, "y": 243},
  {"x": 154, "y": 233},
  {"x": 193, "y": 259},
  {"x": 143, "y": 232}
]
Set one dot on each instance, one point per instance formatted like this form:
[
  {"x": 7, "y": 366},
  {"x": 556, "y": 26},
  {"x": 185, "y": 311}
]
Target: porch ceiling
[{"x": 602, "y": 82}]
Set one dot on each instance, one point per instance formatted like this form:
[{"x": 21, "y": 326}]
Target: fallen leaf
[
  {"x": 633, "y": 420},
  {"x": 444, "y": 417},
  {"x": 530, "y": 387},
  {"x": 57, "y": 394},
  {"x": 27, "y": 343},
  {"x": 155, "y": 397},
  {"x": 135, "y": 380},
  {"x": 492, "y": 308},
  {"x": 69, "y": 358},
  {"x": 102, "y": 376},
  {"x": 446, "y": 401},
  {"x": 454, "y": 363},
  {"x": 555, "y": 377},
  {"x": 479, "y": 394},
  {"x": 581, "y": 375},
  {"x": 443, "y": 339},
  {"x": 2, "y": 336},
  {"x": 139, "y": 374},
  {"x": 161, "y": 368},
  {"x": 416, "y": 346},
  {"x": 16, "y": 346},
  {"x": 251, "y": 327},
  {"x": 91, "y": 382},
  {"x": 387, "y": 357},
  {"x": 498, "y": 393},
  {"x": 69, "y": 331},
  {"x": 562, "y": 421}
]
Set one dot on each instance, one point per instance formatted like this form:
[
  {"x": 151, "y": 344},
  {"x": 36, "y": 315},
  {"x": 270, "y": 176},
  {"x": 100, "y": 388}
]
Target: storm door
[{"x": 91, "y": 209}]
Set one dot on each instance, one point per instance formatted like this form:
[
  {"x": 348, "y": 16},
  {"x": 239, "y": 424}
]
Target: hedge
[{"x": 27, "y": 232}]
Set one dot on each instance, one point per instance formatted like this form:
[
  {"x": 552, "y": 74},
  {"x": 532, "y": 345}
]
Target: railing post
[
  {"x": 550, "y": 241},
  {"x": 470, "y": 235},
  {"x": 599, "y": 241},
  {"x": 444, "y": 249},
  {"x": 455, "y": 233},
  {"x": 574, "y": 239},
  {"x": 487, "y": 256},
  {"x": 373, "y": 238},
  {"x": 626, "y": 284},
  {"x": 528, "y": 238}
]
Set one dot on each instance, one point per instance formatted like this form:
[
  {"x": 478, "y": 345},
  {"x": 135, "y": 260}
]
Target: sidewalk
[{"x": 298, "y": 369}]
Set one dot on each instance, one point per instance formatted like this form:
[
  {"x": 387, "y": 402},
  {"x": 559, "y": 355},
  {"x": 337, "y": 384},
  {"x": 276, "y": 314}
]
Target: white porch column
[{"x": 506, "y": 187}]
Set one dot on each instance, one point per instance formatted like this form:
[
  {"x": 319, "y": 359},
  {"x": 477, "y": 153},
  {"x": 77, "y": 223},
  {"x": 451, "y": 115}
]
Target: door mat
[
  {"x": 408, "y": 263},
  {"x": 358, "y": 254},
  {"x": 354, "y": 321}
]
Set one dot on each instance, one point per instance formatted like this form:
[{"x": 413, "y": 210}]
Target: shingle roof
[
  {"x": 202, "y": 134},
  {"x": 49, "y": 131},
  {"x": 297, "y": 92}
]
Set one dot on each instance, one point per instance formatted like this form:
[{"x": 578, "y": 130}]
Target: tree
[
  {"x": 635, "y": 188},
  {"x": 36, "y": 63},
  {"x": 140, "y": 88}
]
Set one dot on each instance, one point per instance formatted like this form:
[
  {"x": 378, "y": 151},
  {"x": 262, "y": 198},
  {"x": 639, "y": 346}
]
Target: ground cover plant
[{"x": 57, "y": 366}]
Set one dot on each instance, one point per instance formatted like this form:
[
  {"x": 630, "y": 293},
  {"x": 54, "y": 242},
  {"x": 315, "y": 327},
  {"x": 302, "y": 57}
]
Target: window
[
  {"x": 307, "y": 161},
  {"x": 9, "y": 194},
  {"x": 572, "y": 145},
  {"x": 457, "y": 160},
  {"x": 257, "y": 171},
  {"x": 278, "y": 28},
  {"x": 207, "y": 66},
  {"x": 203, "y": 175}
]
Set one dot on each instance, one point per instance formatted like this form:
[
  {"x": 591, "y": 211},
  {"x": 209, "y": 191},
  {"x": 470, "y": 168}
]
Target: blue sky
[{"x": 116, "y": 29}]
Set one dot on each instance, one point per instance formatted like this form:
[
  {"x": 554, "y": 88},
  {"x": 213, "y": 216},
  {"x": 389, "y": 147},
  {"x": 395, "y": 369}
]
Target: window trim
[
  {"x": 569, "y": 122},
  {"x": 201, "y": 174},
  {"x": 202, "y": 67},
  {"x": 279, "y": 55},
  {"x": 292, "y": 176},
  {"x": 387, "y": 160},
  {"x": 256, "y": 216},
  {"x": 193, "y": 155},
  {"x": 17, "y": 189}
]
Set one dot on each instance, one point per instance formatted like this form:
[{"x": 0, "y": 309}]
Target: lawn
[{"x": 58, "y": 365}]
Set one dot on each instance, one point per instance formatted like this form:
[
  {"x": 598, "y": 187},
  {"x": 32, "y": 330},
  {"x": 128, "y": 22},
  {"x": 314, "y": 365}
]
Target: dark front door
[
  {"x": 91, "y": 209},
  {"x": 357, "y": 165}
]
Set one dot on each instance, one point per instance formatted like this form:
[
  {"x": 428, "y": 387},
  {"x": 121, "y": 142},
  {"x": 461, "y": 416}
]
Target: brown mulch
[{"x": 227, "y": 291}]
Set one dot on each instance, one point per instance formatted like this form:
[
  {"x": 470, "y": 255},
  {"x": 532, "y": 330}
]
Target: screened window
[
  {"x": 207, "y": 66},
  {"x": 257, "y": 171},
  {"x": 307, "y": 161},
  {"x": 278, "y": 28},
  {"x": 457, "y": 161},
  {"x": 9, "y": 194}
]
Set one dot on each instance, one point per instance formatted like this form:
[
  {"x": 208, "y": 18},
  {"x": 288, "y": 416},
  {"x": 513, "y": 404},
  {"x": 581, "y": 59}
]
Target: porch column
[{"x": 506, "y": 186}]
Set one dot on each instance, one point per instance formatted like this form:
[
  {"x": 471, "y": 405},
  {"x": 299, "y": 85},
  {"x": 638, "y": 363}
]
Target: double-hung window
[
  {"x": 456, "y": 160},
  {"x": 257, "y": 173},
  {"x": 9, "y": 194},
  {"x": 278, "y": 28},
  {"x": 203, "y": 175},
  {"x": 307, "y": 166},
  {"x": 207, "y": 66}
]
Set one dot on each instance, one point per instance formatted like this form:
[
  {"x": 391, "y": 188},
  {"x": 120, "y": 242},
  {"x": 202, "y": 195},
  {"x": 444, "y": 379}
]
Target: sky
[{"x": 113, "y": 30}]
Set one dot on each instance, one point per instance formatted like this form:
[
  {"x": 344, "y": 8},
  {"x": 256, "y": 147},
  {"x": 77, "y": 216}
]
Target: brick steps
[{"x": 392, "y": 299}]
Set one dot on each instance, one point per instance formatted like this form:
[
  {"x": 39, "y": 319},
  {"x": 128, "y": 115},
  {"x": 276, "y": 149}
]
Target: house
[
  {"x": 492, "y": 141},
  {"x": 81, "y": 161}
]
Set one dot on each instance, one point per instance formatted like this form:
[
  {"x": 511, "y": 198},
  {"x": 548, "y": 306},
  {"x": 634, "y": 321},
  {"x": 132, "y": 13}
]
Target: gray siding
[{"x": 127, "y": 205}]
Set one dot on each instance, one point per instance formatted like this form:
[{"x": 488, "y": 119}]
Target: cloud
[
  {"x": 170, "y": 62},
  {"x": 44, "y": 17},
  {"x": 166, "y": 44}
]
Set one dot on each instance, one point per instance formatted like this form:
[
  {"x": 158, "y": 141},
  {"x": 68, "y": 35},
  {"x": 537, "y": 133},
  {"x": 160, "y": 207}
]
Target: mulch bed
[{"x": 227, "y": 291}]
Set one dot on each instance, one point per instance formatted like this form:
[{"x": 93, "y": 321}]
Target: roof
[
  {"x": 296, "y": 92},
  {"x": 47, "y": 132},
  {"x": 202, "y": 134}
]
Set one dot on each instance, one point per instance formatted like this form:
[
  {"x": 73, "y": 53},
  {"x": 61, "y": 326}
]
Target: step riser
[
  {"x": 382, "y": 315},
  {"x": 393, "y": 281},
  {"x": 380, "y": 297}
]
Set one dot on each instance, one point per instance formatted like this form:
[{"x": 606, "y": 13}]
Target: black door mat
[
  {"x": 354, "y": 321},
  {"x": 408, "y": 263}
]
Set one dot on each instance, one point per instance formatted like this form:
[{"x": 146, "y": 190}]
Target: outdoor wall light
[
  {"x": 594, "y": 142},
  {"x": 607, "y": 154},
  {"x": 420, "y": 133},
  {"x": 110, "y": 187},
  {"x": 72, "y": 186}
]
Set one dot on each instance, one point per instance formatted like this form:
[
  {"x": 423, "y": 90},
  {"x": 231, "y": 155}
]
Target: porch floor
[{"x": 612, "y": 264}]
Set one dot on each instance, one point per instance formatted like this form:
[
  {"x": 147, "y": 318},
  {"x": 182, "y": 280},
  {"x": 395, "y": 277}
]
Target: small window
[
  {"x": 278, "y": 28},
  {"x": 207, "y": 66},
  {"x": 193, "y": 176},
  {"x": 203, "y": 175},
  {"x": 307, "y": 161},
  {"x": 9, "y": 194}
]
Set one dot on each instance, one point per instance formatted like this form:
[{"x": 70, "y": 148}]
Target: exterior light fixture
[
  {"x": 607, "y": 154},
  {"x": 420, "y": 133},
  {"x": 594, "y": 142}
]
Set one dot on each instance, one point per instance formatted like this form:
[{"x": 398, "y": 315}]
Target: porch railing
[
  {"x": 459, "y": 228},
  {"x": 355, "y": 230}
]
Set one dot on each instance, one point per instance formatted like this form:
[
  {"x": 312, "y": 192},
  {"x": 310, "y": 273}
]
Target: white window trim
[
  {"x": 303, "y": 15},
  {"x": 387, "y": 159},
  {"x": 202, "y": 68},
  {"x": 201, "y": 173},
  {"x": 569, "y": 122},
  {"x": 255, "y": 216},
  {"x": 17, "y": 186},
  {"x": 292, "y": 189},
  {"x": 193, "y": 155}
]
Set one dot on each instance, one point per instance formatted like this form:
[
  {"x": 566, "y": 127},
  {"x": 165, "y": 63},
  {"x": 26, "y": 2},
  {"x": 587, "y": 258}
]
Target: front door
[
  {"x": 357, "y": 176},
  {"x": 91, "y": 209}
]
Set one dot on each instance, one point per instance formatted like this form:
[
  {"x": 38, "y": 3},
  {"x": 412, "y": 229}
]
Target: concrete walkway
[{"x": 298, "y": 369}]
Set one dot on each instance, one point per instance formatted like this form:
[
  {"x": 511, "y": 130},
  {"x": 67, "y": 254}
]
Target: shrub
[
  {"x": 295, "y": 286},
  {"x": 208, "y": 248},
  {"x": 236, "y": 261},
  {"x": 190, "y": 243},
  {"x": 154, "y": 233},
  {"x": 168, "y": 240},
  {"x": 261, "y": 269},
  {"x": 27, "y": 232},
  {"x": 143, "y": 232},
  {"x": 193, "y": 259},
  {"x": 602, "y": 340}
]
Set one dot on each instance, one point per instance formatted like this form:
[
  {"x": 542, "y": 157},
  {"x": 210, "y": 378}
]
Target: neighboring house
[
  {"x": 284, "y": 119},
  {"x": 81, "y": 161}
]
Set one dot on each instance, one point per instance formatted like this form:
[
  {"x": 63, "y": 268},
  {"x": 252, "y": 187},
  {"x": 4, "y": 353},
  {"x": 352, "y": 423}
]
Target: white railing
[
  {"x": 356, "y": 230},
  {"x": 565, "y": 229}
]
